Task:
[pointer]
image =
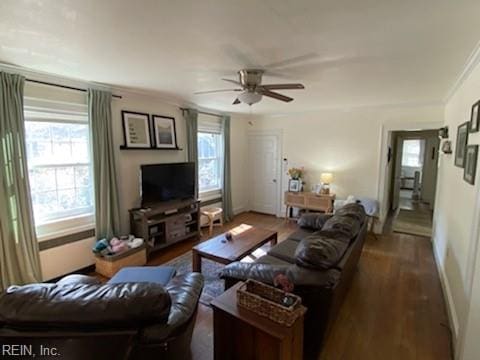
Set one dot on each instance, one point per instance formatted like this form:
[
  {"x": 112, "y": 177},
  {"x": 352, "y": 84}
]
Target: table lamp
[{"x": 326, "y": 179}]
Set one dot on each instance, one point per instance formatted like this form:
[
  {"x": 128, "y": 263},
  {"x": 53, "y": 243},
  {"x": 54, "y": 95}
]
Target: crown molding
[
  {"x": 472, "y": 61},
  {"x": 84, "y": 84},
  {"x": 178, "y": 102},
  {"x": 49, "y": 77},
  {"x": 346, "y": 108},
  {"x": 121, "y": 90}
]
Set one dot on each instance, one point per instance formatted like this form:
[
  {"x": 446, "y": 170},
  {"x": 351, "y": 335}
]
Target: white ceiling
[{"x": 346, "y": 52}]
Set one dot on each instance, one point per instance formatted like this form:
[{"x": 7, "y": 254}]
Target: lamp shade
[
  {"x": 326, "y": 178},
  {"x": 249, "y": 97}
]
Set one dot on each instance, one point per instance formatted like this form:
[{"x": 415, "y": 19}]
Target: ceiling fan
[{"x": 252, "y": 90}]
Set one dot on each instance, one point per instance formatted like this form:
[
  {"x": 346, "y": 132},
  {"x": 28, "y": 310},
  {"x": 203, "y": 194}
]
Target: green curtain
[
  {"x": 19, "y": 254},
  {"x": 227, "y": 181},
  {"x": 191, "y": 119},
  {"x": 107, "y": 213}
]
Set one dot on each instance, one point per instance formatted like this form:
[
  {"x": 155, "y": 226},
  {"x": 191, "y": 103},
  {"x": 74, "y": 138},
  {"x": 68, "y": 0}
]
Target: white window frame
[
  {"x": 409, "y": 155},
  {"x": 212, "y": 125},
  {"x": 40, "y": 110}
]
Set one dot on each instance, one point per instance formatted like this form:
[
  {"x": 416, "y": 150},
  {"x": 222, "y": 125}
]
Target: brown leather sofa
[
  {"x": 80, "y": 318},
  {"x": 320, "y": 258}
]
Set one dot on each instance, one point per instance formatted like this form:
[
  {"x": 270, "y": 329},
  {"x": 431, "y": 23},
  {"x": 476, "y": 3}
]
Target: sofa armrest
[
  {"x": 184, "y": 291},
  {"x": 78, "y": 279},
  {"x": 261, "y": 272},
  {"x": 266, "y": 273},
  {"x": 313, "y": 221}
]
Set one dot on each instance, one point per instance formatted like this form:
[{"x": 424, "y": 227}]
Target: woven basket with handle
[{"x": 268, "y": 301}]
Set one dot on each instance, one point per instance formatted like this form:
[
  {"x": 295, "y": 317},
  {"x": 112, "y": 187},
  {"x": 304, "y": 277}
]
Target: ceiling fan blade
[
  {"x": 274, "y": 95},
  {"x": 283, "y": 86},
  {"x": 236, "y": 102},
  {"x": 215, "y": 91},
  {"x": 233, "y": 81}
]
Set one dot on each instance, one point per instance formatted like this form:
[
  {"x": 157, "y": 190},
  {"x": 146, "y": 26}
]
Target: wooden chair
[{"x": 215, "y": 217}]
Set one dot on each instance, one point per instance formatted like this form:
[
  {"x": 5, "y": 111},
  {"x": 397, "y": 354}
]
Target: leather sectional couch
[
  {"x": 80, "y": 318},
  {"x": 320, "y": 258}
]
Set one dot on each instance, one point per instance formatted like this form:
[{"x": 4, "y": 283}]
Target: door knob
[{"x": 274, "y": 180}]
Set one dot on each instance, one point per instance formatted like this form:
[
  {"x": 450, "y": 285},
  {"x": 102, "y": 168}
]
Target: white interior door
[
  {"x": 264, "y": 174},
  {"x": 397, "y": 181}
]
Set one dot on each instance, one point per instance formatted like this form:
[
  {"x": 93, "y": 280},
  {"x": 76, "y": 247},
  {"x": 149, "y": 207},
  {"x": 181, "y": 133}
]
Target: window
[
  {"x": 210, "y": 155},
  {"x": 59, "y": 164},
  {"x": 209, "y": 161},
  {"x": 413, "y": 151}
]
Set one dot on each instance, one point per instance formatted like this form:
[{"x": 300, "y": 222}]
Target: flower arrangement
[
  {"x": 282, "y": 281},
  {"x": 296, "y": 173}
]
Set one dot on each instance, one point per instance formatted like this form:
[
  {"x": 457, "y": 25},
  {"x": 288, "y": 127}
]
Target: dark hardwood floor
[{"x": 394, "y": 309}]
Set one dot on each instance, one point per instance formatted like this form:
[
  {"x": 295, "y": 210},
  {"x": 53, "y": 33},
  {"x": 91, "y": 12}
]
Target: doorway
[
  {"x": 413, "y": 183},
  {"x": 265, "y": 168}
]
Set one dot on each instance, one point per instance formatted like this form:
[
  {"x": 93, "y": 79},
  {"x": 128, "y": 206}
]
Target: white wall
[
  {"x": 129, "y": 161},
  {"x": 239, "y": 163},
  {"x": 456, "y": 220},
  {"x": 64, "y": 259},
  {"x": 471, "y": 347},
  {"x": 346, "y": 142},
  {"x": 70, "y": 257}
]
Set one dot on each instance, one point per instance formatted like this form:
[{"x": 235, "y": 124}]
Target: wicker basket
[
  {"x": 109, "y": 265},
  {"x": 267, "y": 301}
]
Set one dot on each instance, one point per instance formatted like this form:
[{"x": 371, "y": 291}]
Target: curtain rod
[
  {"x": 63, "y": 86},
  {"x": 203, "y": 112}
]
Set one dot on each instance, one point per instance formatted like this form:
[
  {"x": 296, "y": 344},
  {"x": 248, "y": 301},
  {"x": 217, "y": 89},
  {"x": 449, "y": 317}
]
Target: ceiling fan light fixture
[{"x": 250, "y": 97}]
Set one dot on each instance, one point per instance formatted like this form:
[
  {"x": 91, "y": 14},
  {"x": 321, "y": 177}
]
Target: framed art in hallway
[
  {"x": 470, "y": 170},
  {"x": 475, "y": 117},
  {"x": 164, "y": 131},
  {"x": 461, "y": 146},
  {"x": 136, "y": 130}
]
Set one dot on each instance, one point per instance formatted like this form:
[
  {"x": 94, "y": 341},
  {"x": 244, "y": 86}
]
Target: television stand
[{"x": 165, "y": 224}]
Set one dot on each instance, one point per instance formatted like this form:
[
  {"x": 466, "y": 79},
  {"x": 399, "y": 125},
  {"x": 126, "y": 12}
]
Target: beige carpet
[{"x": 416, "y": 222}]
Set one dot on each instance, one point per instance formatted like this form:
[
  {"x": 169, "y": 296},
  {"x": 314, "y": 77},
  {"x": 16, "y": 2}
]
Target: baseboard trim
[
  {"x": 447, "y": 295},
  {"x": 87, "y": 270},
  {"x": 239, "y": 210}
]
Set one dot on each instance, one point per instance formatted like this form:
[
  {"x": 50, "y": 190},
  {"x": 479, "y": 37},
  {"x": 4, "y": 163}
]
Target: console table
[{"x": 308, "y": 201}]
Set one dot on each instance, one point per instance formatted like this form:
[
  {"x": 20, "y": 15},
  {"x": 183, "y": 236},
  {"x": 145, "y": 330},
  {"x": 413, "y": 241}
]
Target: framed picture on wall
[
  {"x": 475, "y": 117},
  {"x": 461, "y": 146},
  {"x": 165, "y": 134},
  {"x": 136, "y": 130},
  {"x": 471, "y": 156}
]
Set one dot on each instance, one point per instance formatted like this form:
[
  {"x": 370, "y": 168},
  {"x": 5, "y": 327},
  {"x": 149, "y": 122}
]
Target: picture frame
[
  {"x": 136, "y": 130},
  {"x": 470, "y": 170},
  {"x": 294, "y": 185},
  {"x": 164, "y": 132},
  {"x": 461, "y": 144},
  {"x": 475, "y": 118},
  {"x": 443, "y": 132}
]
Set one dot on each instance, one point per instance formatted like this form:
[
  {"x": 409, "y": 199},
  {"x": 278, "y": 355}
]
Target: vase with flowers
[{"x": 295, "y": 183}]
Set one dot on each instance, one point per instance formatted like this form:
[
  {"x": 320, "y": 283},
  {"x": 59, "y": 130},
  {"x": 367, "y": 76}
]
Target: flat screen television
[{"x": 167, "y": 182}]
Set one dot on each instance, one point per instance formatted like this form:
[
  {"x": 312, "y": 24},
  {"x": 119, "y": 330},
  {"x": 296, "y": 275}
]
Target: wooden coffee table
[{"x": 246, "y": 239}]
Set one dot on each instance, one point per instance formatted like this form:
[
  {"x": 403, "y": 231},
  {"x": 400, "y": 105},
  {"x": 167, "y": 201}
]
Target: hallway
[{"x": 412, "y": 216}]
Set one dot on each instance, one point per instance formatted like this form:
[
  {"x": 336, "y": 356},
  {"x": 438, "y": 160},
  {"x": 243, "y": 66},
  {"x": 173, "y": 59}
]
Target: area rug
[
  {"x": 213, "y": 286},
  {"x": 413, "y": 222}
]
